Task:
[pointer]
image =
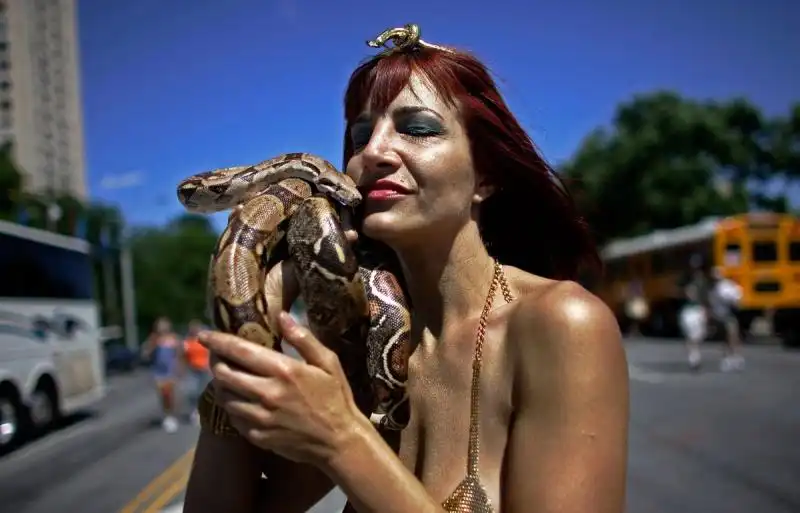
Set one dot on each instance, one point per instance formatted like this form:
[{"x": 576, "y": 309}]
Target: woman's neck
[{"x": 447, "y": 279}]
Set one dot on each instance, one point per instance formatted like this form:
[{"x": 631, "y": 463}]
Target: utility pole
[
  {"x": 128, "y": 295},
  {"x": 109, "y": 288}
]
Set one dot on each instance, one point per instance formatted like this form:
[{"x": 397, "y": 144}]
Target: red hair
[{"x": 531, "y": 220}]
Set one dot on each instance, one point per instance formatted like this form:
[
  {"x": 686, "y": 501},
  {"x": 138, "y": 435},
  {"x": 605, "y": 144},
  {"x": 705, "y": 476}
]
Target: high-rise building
[{"x": 40, "y": 98}]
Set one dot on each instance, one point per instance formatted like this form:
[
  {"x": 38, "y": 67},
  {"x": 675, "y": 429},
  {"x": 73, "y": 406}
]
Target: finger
[
  {"x": 247, "y": 410},
  {"x": 281, "y": 290},
  {"x": 245, "y": 385},
  {"x": 307, "y": 345},
  {"x": 250, "y": 357},
  {"x": 251, "y": 431}
]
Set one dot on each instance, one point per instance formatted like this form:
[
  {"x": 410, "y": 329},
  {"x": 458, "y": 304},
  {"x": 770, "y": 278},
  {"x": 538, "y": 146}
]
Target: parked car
[{"x": 120, "y": 358}]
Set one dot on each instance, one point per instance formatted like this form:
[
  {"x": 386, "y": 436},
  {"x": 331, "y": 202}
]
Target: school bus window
[
  {"x": 733, "y": 255},
  {"x": 794, "y": 251},
  {"x": 765, "y": 251}
]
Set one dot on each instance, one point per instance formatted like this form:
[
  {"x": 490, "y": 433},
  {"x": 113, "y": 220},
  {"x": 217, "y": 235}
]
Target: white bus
[{"x": 51, "y": 359}]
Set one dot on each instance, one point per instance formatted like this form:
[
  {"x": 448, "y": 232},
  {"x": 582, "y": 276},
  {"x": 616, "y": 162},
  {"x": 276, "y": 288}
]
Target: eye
[
  {"x": 420, "y": 130},
  {"x": 360, "y": 134},
  {"x": 419, "y": 125}
]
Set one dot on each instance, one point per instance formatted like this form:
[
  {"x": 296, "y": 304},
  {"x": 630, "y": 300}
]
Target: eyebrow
[{"x": 407, "y": 110}]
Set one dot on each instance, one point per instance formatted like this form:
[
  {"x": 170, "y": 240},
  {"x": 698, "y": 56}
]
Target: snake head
[{"x": 340, "y": 187}]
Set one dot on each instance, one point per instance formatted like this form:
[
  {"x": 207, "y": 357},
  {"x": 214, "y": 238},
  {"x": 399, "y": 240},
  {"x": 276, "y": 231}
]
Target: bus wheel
[
  {"x": 10, "y": 418},
  {"x": 43, "y": 409}
]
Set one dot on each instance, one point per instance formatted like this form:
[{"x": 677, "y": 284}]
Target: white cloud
[{"x": 122, "y": 180}]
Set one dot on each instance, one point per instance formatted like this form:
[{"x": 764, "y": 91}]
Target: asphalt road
[
  {"x": 99, "y": 464},
  {"x": 704, "y": 442}
]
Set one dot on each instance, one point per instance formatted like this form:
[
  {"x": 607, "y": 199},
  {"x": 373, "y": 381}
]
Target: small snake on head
[{"x": 281, "y": 209}]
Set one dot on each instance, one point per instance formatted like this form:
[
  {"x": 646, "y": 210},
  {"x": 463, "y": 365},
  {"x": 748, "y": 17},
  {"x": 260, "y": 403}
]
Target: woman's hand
[{"x": 302, "y": 410}]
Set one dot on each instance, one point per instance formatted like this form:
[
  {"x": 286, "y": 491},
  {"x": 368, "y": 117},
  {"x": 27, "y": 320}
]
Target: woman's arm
[
  {"x": 148, "y": 346},
  {"x": 567, "y": 449},
  {"x": 226, "y": 478}
]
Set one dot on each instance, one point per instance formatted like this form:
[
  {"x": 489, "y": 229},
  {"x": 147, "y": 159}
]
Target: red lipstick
[{"x": 384, "y": 189}]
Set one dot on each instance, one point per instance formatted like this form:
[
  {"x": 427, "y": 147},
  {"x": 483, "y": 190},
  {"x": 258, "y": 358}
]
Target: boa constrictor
[{"x": 355, "y": 305}]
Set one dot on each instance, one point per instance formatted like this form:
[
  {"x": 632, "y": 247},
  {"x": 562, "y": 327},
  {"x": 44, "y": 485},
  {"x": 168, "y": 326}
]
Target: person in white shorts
[{"x": 693, "y": 317}]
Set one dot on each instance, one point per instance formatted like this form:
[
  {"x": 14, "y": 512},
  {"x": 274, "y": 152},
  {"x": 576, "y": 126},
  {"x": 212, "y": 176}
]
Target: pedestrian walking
[
  {"x": 693, "y": 317},
  {"x": 164, "y": 348},
  {"x": 725, "y": 297}
]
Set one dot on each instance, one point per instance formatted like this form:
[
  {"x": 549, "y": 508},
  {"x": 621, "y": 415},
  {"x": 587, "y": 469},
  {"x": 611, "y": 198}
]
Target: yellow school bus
[{"x": 759, "y": 251}]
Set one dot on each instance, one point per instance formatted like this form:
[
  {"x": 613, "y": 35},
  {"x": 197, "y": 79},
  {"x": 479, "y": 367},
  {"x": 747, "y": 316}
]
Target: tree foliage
[
  {"x": 668, "y": 161},
  {"x": 170, "y": 267}
]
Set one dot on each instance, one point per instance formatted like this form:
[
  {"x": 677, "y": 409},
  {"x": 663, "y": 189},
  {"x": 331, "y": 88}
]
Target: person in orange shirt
[{"x": 196, "y": 362}]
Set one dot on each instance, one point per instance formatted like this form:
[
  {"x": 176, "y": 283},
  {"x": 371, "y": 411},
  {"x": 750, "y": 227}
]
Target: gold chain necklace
[{"x": 498, "y": 279}]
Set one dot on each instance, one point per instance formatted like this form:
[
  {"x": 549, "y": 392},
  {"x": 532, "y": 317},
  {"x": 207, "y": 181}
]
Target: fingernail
[{"x": 203, "y": 335}]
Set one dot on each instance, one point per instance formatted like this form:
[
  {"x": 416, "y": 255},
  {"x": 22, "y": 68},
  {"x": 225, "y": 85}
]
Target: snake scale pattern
[{"x": 289, "y": 207}]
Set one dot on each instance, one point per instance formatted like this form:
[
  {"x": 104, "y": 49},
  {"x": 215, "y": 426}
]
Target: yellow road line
[
  {"x": 174, "y": 473},
  {"x": 168, "y": 495}
]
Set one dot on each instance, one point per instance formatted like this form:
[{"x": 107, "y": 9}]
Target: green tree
[
  {"x": 171, "y": 269},
  {"x": 72, "y": 211},
  {"x": 668, "y": 161},
  {"x": 785, "y": 146},
  {"x": 103, "y": 228}
]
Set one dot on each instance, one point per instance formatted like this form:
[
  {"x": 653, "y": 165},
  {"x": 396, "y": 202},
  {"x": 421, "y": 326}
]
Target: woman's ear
[{"x": 484, "y": 188}]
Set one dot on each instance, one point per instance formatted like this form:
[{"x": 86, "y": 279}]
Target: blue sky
[{"x": 175, "y": 87}]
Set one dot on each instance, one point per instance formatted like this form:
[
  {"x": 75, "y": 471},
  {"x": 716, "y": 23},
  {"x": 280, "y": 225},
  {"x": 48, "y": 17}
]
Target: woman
[
  {"x": 163, "y": 348},
  {"x": 452, "y": 182},
  {"x": 693, "y": 316}
]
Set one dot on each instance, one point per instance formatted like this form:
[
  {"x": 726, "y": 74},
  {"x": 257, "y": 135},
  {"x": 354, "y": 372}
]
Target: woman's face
[{"x": 413, "y": 165}]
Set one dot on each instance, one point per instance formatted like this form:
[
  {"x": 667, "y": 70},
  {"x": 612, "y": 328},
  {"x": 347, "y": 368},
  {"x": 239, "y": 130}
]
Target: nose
[{"x": 379, "y": 156}]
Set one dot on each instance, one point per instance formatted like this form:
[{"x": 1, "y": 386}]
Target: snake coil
[{"x": 288, "y": 207}]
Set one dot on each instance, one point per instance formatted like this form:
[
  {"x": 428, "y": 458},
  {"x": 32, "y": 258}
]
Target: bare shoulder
[
  {"x": 570, "y": 399},
  {"x": 559, "y": 330}
]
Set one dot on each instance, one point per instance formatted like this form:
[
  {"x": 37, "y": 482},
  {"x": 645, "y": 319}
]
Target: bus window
[
  {"x": 33, "y": 270},
  {"x": 765, "y": 251},
  {"x": 733, "y": 255},
  {"x": 794, "y": 251}
]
